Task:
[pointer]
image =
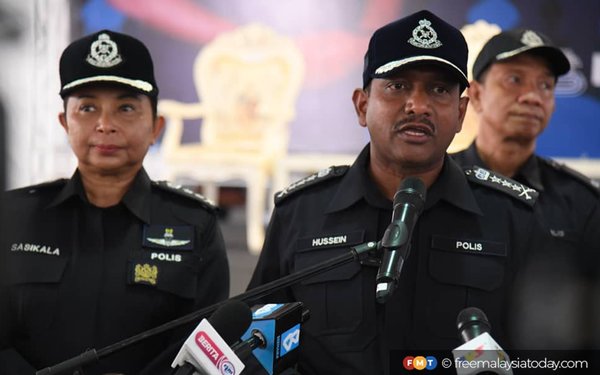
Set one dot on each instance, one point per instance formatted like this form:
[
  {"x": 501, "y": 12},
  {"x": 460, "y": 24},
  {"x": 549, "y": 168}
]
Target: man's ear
[
  {"x": 360, "y": 98},
  {"x": 159, "y": 125},
  {"x": 474, "y": 92},
  {"x": 463, "y": 103}
]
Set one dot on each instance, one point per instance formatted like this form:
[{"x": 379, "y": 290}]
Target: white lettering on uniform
[
  {"x": 33, "y": 248},
  {"x": 323, "y": 241},
  {"x": 166, "y": 257},
  {"x": 469, "y": 246}
]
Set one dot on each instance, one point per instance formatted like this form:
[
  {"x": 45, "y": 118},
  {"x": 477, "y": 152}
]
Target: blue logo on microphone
[
  {"x": 266, "y": 310},
  {"x": 290, "y": 340}
]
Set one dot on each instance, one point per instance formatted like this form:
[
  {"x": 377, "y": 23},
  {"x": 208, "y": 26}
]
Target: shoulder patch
[
  {"x": 585, "y": 180},
  {"x": 502, "y": 183},
  {"x": 32, "y": 189},
  {"x": 185, "y": 192},
  {"x": 316, "y": 178}
]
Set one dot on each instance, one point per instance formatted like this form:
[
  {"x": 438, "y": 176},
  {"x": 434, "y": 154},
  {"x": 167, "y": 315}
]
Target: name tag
[
  {"x": 469, "y": 246},
  {"x": 330, "y": 240}
]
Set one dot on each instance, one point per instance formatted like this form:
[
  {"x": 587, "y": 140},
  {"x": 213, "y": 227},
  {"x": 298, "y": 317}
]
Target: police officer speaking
[
  {"x": 109, "y": 253},
  {"x": 475, "y": 227}
]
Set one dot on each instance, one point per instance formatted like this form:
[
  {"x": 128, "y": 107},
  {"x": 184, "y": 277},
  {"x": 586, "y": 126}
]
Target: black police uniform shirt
[
  {"x": 568, "y": 210},
  {"x": 466, "y": 248},
  {"x": 81, "y": 277}
]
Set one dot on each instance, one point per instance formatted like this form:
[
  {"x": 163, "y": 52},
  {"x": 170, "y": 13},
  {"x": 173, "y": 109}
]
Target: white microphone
[
  {"x": 480, "y": 353},
  {"x": 207, "y": 350}
]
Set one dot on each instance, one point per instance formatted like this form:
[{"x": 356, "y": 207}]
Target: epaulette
[
  {"x": 585, "y": 180},
  {"x": 185, "y": 192},
  {"x": 313, "y": 179},
  {"x": 502, "y": 183},
  {"x": 32, "y": 189}
]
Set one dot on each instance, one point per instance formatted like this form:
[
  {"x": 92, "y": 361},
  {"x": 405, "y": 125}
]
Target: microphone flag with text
[
  {"x": 480, "y": 353},
  {"x": 409, "y": 202},
  {"x": 207, "y": 349},
  {"x": 274, "y": 335}
]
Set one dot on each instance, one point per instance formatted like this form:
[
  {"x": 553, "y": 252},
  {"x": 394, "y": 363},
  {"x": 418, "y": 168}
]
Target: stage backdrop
[{"x": 333, "y": 35}]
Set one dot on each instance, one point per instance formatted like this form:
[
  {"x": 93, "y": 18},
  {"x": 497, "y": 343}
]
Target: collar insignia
[
  {"x": 424, "y": 36},
  {"x": 104, "y": 53},
  {"x": 145, "y": 274}
]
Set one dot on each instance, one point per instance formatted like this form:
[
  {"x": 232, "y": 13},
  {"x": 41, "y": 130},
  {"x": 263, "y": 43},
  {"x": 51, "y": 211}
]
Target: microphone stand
[{"x": 356, "y": 253}]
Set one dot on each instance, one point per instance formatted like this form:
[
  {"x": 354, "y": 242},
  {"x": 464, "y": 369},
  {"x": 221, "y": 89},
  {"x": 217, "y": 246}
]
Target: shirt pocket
[
  {"x": 335, "y": 297},
  {"x": 179, "y": 279},
  {"x": 475, "y": 264},
  {"x": 34, "y": 284},
  {"x": 464, "y": 273}
]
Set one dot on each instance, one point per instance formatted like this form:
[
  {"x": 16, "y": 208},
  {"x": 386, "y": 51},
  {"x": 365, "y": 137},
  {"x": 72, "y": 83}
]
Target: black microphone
[
  {"x": 409, "y": 202},
  {"x": 479, "y": 353},
  {"x": 273, "y": 336},
  {"x": 472, "y": 322},
  {"x": 207, "y": 350}
]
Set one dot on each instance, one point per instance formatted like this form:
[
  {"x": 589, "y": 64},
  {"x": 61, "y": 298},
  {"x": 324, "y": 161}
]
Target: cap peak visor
[
  {"x": 560, "y": 64},
  {"x": 135, "y": 83},
  {"x": 386, "y": 69}
]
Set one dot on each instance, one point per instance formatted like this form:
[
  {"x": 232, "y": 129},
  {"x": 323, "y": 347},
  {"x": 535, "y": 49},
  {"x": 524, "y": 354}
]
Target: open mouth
[{"x": 416, "y": 130}]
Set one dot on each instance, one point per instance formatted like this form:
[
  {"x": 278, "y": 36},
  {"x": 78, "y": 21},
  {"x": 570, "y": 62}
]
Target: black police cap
[
  {"x": 514, "y": 42},
  {"x": 421, "y": 37},
  {"x": 107, "y": 56}
]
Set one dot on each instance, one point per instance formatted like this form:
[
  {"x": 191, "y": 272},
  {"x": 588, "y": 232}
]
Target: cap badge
[
  {"x": 531, "y": 39},
  {"x": 104, "y": 52},
  {"x": 424, "y": 36}
]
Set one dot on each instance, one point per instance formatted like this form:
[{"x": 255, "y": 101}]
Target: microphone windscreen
[
  {"x": 472, "y": 322},
  {"x": 231, "y": 320},
  {"x": 412, "y": 187}
]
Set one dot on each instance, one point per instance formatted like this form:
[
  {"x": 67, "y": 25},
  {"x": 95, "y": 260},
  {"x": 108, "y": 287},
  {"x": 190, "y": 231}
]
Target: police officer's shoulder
[
  {"x": 181, "y": 191},
  {"x": 314, "y": 179},
  {"x": 501, "y": 183},
  {"x": 564, "y": 169},
  {"x": 41, "y": 188}
]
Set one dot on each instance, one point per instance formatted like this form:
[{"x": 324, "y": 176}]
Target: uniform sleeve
[
  {"x": 213, "y": 283},
  {"x": 270, "y": 265},
  {"x": 11, "y": 362}
]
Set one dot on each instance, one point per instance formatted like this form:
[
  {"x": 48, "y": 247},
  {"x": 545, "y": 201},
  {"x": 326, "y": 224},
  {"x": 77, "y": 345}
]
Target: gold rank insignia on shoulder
[{"x": 145, "y": 274}]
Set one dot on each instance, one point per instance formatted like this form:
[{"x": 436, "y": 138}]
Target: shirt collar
[
  {"x": 137, "y": 198},
  {"x": 450, "y": 186},
  {"x": 352, "y": 187}
]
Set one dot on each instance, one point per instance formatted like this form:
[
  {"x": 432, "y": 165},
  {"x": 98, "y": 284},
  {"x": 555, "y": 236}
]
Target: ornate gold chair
[{"x": 247, "y": 82}]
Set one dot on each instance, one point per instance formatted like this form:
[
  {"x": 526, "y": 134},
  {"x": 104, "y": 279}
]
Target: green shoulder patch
[
  {"x": 313, "y": 179},
  {"x": 502, "y": 183},
  {"x": 563, "y": 168},
  {"x": 185, "y": 192}
]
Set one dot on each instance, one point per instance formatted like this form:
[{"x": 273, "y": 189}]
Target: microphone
[
  {"x": 409, "y": 202},
  {"x": 480, "y": 353},
  {"x": 207, "y": 350},
  {"x": 274, "y": 335}
]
